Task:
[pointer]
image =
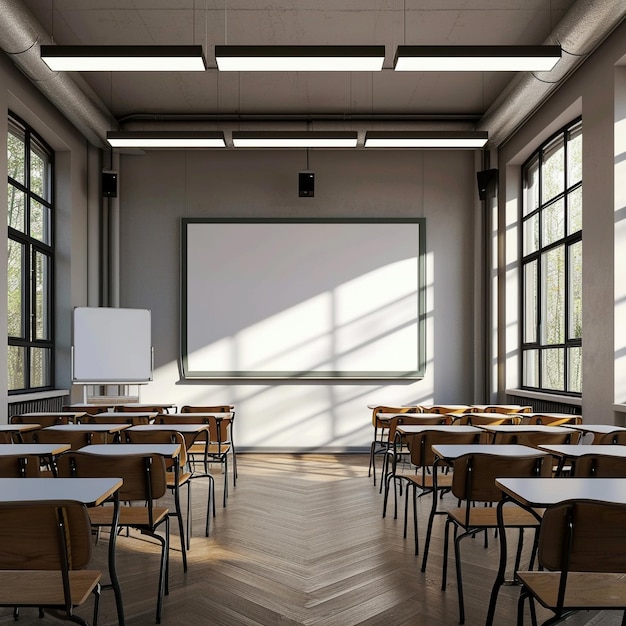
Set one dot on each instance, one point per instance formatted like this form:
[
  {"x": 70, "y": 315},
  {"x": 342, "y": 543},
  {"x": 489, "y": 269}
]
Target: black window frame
[
  {"x": 33, "y": 247},
  {"x": 567, "y": 241}
]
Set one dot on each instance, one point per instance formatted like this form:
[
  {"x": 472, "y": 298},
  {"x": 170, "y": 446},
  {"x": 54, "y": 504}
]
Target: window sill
[
  {"x": 38, "y": 395},
  {"x": 548, "y": 397}
]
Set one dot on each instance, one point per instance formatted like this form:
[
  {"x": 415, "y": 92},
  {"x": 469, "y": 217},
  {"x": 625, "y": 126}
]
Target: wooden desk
[
  {"x": 598, "y": 430},
  {"x": 109, "y": 429},
  {"x": 539, "y": 493},
  {"x": 167, "y": 450},
  {"x": 415, "y": 429},
  {"x": 189, "y": 431},
  {"x": 573, "y": 452},
  {"x": 36, "y": 449},
  {"x": 89, "y": 491},
  {"x": 450, "y": 452},
  {"x": 521, "y": 428},
  {"x": 17, "y": 429},
  {"x": 61, "y": 416}
]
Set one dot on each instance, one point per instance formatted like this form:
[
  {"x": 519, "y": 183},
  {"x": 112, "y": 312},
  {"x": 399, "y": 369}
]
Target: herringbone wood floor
[{"x": 302, "y": 542}]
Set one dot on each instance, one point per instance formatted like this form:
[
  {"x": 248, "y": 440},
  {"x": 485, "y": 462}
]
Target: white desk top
[
  {"x": 389, "y": 416},
  {"x": 52, "y": 413},
  {"x": 542, "y": 492},
  {"x": 89, "y": 428},
  {"x": 89, "y": 491},
  {"x": 18, "y": 428},
  {"x": 449, "y": 452},
  {"x": 179, "y": 428},
  {"x": 39, "y": 449},
  {"x": 522, "y": 428},
  {"x": 171, "y": 450},
  {"x": 217, "y": 416},
  {"x": 576, "y": 451},
  {"x": 127, "y": 414},
  {"x": 416, "y": 429},
  {"x": 601, "y": 429}
]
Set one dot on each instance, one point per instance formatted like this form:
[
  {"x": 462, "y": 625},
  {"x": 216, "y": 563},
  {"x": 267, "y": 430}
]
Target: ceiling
[{"x": 454, "y": 96}]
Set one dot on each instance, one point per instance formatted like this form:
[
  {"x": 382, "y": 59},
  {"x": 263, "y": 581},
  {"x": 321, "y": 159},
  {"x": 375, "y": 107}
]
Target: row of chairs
[{"x": 471, "y": 480}]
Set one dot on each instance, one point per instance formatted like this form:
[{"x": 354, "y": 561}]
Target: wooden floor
[{"x": 303, "y": 542}]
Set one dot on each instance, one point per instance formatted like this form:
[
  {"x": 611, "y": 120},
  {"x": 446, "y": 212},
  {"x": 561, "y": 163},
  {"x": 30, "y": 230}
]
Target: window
[
  {"x": 30, "y": 264},
  {"x": 551, "y": 275}
]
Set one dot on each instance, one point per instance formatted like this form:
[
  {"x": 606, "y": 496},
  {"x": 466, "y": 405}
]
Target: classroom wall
[
  {"x": 161, "y": 187},
  {"x": 597, "y": 92},
  {"x": 74, "y": 158}
]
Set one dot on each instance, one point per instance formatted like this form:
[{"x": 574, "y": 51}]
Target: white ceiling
[{"x": 262, "y": 22}]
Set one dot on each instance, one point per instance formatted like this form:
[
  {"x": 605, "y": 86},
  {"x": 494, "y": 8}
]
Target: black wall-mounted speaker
[
  {"x": 109, "y": 184},
  {"x": 306, "y": 184},
  {"x": 487, "y": 183}
]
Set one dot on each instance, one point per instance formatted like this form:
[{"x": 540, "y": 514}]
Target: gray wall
[{"x": 159, "y": 188}]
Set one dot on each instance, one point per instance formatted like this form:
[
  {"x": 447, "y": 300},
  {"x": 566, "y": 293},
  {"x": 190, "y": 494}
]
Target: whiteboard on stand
[{"x": 111, "y": 345}]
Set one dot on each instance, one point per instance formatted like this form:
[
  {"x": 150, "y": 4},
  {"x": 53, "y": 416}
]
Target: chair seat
[
  {"x": 486, "y": 517},
  {"x": 45, "y": 587},
  {"x": 584, "y": 590},
  {"x": 183, "y": 479},
  {"x": 426, "y": 482},
  {"x": 213, "y": 449},
  {"x": 129, "y": 515}
]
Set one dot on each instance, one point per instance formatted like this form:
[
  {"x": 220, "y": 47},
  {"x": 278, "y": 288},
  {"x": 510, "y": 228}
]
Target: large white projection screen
[{"x": 302, "y": 299}]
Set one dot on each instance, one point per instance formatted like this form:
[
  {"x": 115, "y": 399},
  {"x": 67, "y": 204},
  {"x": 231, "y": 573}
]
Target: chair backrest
[
  {"x": 122, "y": 418},
  {"x": 143, "y": 474},
  {"x": 583, "y": 536},
  {"x": 598, "y": 466},
  {"x": 20, "y": 466},
  {"x": 76, "y": 439},
  {"x": 618, "y": 437},
  {"x": 434, "y": 419},
  {"x": 43, "y": 420},
  {"x": 536, "y": 439},
  {"x": 90, "y": 409},
  {"x": 474, "y": 476},
  {"x": 160, "y": 436},
  {"x": 551, "y": 420},
  {"x": 129, "y": 408},
  {"x": 507, "y": 409},
  {"x": 218, "y": 429},
  {"x": 443, "y": 408},
  {"x": 469, "y": 419},
  {"x": 421, "y": 445},
  {"x": 377, "y": 423},
  {"x": 38, "y": 535}
]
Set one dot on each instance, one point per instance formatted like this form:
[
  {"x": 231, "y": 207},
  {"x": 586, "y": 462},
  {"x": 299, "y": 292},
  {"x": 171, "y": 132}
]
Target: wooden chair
[
  {"x": 381, "y": 441},
  {"x": 420, "y": 474},
  {"x": 470, "y": 419},
  {"x": 535, "y": 439},
  {"x": 583, "y": 557},
  {"x": 398, "y": 449},
  {"x": 76, "y": 440},
  {"x": 145, "y": 481},
  {"x": 473, "y": 481},
  {"x": 616, "y": 438},
  {"x": 507, "y": 409},
  {"x": 178, "y": 474},
  {"x": 598, "y": 466},
  {"x": 20, "y": 466},
  {"x": 43, "y": 420},
  {"x": 210, "y": 447},
  {"x": 122, "y": 418},
  {"x": 90, "y": 409},
  {"x": 227, "y": 427},
  {"x": 44, "y": 550},
  {"x": 551, "y": 420},
  {"x": 142, "y": 408}
]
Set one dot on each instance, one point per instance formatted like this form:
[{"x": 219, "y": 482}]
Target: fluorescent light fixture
[
  {"x": 476, "y": 58},
  {"x": 166, "y": 139},
  {"x": 295, "y": 139},
  {"x": 425, "y": 139},
  {"x": 124, "y": 58},
  {"x": 300, "y": 58}
]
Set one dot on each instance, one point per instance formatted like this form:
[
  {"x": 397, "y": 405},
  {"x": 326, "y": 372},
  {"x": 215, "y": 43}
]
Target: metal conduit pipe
[
  {"x": 579, "y": 33},
  {"x": 20, "y": 38}
]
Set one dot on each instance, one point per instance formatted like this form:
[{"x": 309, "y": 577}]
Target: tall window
[
  {"x": 552, "y": 265},
  {"x": 30, "y": 260}
]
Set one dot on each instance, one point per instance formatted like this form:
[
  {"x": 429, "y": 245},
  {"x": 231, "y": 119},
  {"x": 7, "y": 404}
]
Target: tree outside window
[
  {"x": 30, "y": 260},
  {"x": 551, "y": 246}
]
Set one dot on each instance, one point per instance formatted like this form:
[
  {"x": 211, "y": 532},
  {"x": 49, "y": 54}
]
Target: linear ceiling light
[
  {"x": 300, "y": 58},
  {"x": 476, "y": 58},
  {"x": 166, "y": 139},
  {"x": 124, "y": 58},
  {"x": 425, "y": 139},
  {"x": 295, "y": 139}
]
